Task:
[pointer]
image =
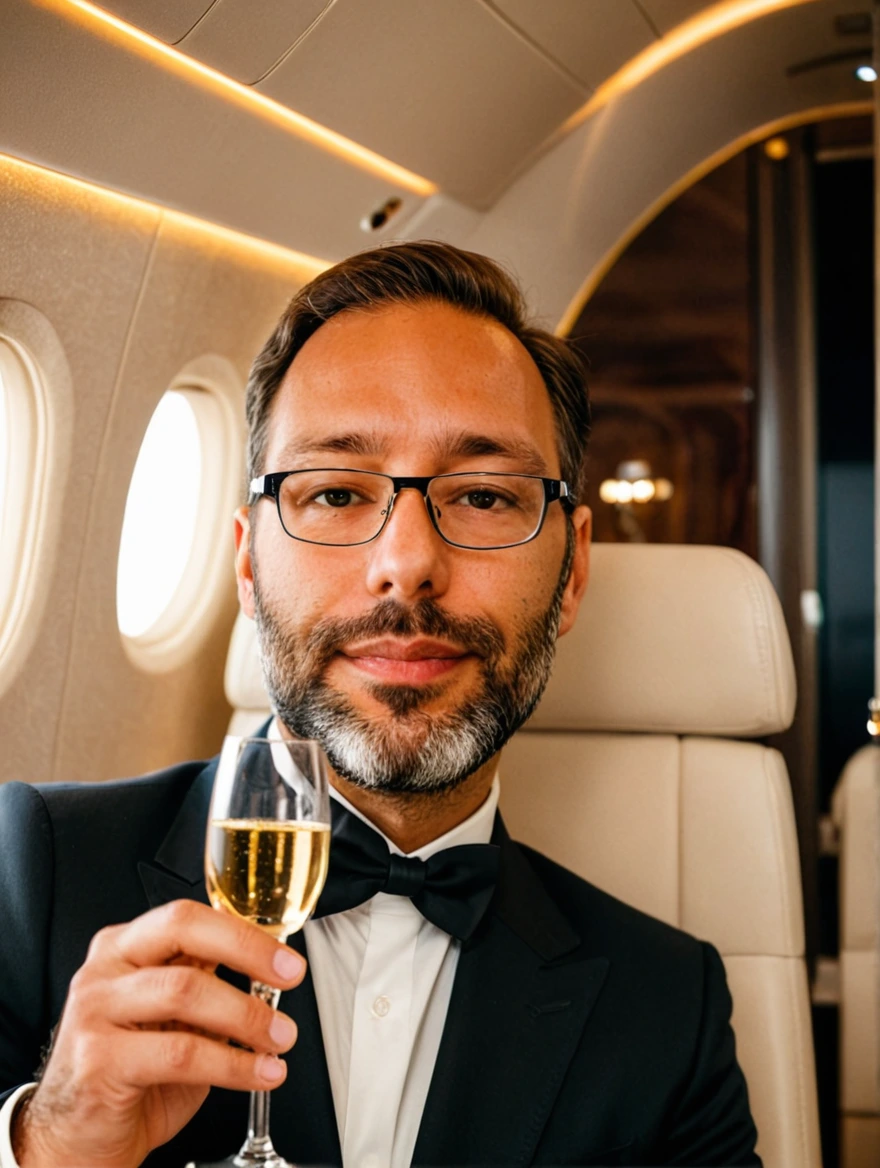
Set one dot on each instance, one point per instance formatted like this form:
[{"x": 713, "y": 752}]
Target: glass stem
[{"x": 257, "y": 1147}]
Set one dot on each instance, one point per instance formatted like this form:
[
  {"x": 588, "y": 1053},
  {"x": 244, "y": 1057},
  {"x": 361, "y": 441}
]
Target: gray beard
[{"x": 411, "y": 752}]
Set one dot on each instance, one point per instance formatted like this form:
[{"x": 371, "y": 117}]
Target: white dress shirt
[{"x": 383, "y": 978}]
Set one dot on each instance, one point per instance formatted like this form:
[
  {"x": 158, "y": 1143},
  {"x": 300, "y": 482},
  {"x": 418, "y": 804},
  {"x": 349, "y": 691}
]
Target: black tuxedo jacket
[{"x": 580, "y": 1031}]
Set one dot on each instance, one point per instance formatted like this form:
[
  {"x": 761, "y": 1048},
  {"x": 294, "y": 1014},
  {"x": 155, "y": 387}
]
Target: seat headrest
[
  {"x": 673, "y": 640},
  {"x": 669, "y": 640}
]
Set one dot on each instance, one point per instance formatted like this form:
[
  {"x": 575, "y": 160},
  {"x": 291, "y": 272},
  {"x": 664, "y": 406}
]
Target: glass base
[
  {"x": 275, "y": 1161},
  {"x": 247, "y": 1158}
]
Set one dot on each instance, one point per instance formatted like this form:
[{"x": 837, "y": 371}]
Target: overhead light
[
  {"x": 777, "y": 149},
  {"x": 100, "y": 22},
  {"x": 866, "y": 73},
  {"x": 622, "y": 491}
]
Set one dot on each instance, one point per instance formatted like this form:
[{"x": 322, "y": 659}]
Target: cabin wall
[{"x": 132, "y": 295}]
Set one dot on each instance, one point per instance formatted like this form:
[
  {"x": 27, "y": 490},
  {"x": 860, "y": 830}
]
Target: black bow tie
[{"x": 451, "y": 889}]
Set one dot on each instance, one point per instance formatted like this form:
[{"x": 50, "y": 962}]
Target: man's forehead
[
  {"x": 445, "y": 445},
  {"x": 430, "y": 378}
]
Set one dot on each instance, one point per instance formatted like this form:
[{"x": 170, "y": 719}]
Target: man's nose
[{"x": 408, "y": 560}]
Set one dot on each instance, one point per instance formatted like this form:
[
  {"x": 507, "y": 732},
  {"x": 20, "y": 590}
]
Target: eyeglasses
[{"x": 474, "y": 510}]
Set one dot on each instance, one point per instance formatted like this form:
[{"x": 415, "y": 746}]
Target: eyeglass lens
[{"x": 473, "y": 510}]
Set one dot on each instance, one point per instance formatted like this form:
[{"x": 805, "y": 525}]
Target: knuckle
[
  {"x": 258, "y": 1019},
  {"x": 178, "y": 986},
  {"x": 181, "y": 1050},
  {"x": 102, "y": 942},
  {"x": 80, "y": 992},
  {"x": 180, "y": 913}
]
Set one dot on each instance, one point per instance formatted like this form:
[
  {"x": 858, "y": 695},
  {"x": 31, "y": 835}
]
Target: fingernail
[
  {"x": 287, "y": 964},
  {"x": 270, "y": 1068},
  {"x": 282, "y": 1031}
]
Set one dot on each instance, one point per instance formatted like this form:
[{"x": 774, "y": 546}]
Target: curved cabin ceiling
[{"x": 542, "y": 133}]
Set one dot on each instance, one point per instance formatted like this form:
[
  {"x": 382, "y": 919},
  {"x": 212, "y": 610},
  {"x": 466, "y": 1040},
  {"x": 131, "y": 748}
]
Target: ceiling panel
[
  {"x": 591, "y": 38},
  {"x": 168, "y": 20},
  {"x": 666, "y": 14},
  {"x": 446, "y": 89},
  {"x": 244, "y": 43}
]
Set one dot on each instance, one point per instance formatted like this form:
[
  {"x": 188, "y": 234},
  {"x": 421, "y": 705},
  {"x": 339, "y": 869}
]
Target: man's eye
[
  {"x": 482, "y": 500},
  {"x": 335, "y": 497}
]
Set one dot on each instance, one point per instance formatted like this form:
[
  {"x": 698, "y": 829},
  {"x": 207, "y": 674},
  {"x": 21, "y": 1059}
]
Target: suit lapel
[
  {"x": 303, "y": 1118},
  {"x": 521, "y": 998}
]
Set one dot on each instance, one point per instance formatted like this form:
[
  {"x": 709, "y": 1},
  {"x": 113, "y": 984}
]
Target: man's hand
[{"x": 145, "y": 1033}]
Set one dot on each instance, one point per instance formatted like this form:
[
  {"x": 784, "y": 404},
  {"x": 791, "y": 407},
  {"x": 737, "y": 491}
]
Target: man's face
[{"x": 411, "y": 660}]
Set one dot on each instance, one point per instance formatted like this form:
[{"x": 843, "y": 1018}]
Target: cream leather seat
[
  {"x": 677, "y": 651},
  {"x": 856, "y": 812}
]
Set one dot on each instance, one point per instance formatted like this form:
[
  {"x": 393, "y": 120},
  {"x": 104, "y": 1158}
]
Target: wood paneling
[{"x": 667, "y": 335}]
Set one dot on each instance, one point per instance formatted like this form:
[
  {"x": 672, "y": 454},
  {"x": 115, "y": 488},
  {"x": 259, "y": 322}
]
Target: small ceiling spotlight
[
  {"x": 377, "y": 219},
  {"x": 866, "y": 73},
  {"x": 777, "y": 149}
]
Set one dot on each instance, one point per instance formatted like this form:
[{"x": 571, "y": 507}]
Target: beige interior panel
[
  {"x": 462, "y": 104},
  {"x": 201, "y": 296},
  {"x": 860, "y": 1032},
  {"x": 53, "y": 241},
  {"x": 771, "y": 1020},
  {"x": 564, "y": 219},
  {"x": 125, "y": 120},
  {"x": 244, "y": 42},
  {"x": 666, "y": 14},
  {"x": 591, "y": 40},
  {"x": 738, "y": 842},
  {"x": 621, "y": 800},
  {"x": 169, "y": 20},
  {"x": 860, "y": 1141}
]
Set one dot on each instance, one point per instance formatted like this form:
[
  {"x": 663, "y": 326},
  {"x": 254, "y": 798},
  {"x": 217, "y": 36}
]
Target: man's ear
[
  {"x": 244, "y": 568},
  {"x": 576, "y": 585}
]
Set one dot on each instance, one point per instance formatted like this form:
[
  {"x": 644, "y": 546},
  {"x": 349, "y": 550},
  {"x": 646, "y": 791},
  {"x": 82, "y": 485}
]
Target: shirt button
[{"x": 381, "y": 1006}]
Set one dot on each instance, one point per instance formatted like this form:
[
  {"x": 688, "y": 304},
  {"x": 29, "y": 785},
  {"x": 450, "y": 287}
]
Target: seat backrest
[
  {"x": 677, "y": 651},
  {"x": 856, "y": 812}
]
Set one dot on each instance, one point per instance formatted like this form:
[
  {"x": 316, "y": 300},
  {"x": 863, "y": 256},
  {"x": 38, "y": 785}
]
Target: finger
[
  {"x": 185, "y": 927},
  {"x": 188, "y": 995},
  {"x": 151, "y": 1057}
]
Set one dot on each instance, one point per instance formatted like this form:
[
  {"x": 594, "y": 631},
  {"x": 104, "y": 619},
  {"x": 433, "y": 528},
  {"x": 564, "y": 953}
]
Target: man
[{"x": 413, "y": 546}]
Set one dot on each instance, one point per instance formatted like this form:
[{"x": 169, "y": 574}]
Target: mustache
[{"x": 391, "y": 618}]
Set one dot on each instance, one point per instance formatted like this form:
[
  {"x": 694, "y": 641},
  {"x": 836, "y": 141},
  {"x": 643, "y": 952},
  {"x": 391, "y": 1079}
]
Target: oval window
[
  {"x": 4, "y": 449},
  {"x": 174, "y": 569},
  {"x": 160, "y": 515},
  {"x": 23, "y": 444}
]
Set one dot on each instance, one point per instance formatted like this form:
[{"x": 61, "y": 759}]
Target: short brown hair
[{"x": 410, "y": 273}]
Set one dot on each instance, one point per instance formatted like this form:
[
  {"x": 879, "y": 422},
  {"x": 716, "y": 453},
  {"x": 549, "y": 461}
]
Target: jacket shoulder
[{"x": 607, "y": 923}]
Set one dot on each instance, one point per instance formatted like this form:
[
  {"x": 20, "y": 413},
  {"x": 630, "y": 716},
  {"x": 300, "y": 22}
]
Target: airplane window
[
  {"x": 24, "y": 443},
  {"x": 4, "y": 447},
  {"x": 161, "y": 514}
]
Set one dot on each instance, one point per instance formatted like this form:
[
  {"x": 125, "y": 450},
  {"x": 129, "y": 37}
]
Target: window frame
[{"x": 214, "y": 391}]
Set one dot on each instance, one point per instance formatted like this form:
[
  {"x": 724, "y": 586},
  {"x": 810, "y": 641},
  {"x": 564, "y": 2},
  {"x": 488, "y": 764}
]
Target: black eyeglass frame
[{"x": 269, "y": 485}]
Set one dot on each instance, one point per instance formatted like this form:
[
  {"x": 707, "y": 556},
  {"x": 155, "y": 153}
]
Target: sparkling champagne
[{"x": 268, "y": 871}]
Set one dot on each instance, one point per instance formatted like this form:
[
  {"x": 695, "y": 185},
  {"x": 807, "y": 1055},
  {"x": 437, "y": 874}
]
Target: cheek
[
  {"x": 514, "y": 591},
  {"x": 302, "y": 584}
]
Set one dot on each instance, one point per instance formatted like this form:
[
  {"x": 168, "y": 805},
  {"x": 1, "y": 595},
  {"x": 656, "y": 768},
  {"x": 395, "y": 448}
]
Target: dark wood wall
[{"x": 668, "y": 340}]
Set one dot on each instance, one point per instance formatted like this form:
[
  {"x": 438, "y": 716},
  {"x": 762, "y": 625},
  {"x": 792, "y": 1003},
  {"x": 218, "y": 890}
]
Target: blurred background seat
[{"x": 856, "y": 812}]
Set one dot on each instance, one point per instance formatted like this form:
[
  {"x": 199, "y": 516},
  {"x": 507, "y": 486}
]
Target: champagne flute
[{"x": 266, "y": 856}]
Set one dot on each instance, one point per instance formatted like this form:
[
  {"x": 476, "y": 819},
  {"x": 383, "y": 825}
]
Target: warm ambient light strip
[
  {"x": 306, "y": 266},
  {"x": 99, "y": 21},
  {"x": 714, "y": 22}
]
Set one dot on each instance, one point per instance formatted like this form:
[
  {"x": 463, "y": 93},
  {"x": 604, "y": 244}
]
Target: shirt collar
[{"x": 476, "y": 829}]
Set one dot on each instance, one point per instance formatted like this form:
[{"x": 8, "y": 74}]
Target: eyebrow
[
  {"x": 465, "y": 444},
  {"x": 470, "y": 445}
]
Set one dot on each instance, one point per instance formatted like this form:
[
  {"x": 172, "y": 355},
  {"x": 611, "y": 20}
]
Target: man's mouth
[{"x": 395, "y": 661}]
